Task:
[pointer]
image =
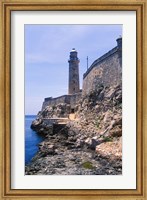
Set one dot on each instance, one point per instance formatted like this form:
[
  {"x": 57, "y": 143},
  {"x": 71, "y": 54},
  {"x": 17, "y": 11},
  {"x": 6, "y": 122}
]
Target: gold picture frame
[{"x": 6, "y": 6}]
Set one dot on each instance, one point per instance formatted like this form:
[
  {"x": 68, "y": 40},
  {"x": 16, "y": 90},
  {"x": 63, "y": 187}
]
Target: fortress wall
[
  {"x": 106, "y": 70},
  {"x": 54, "y": 101},
  {"x": 69, "y": 99}
]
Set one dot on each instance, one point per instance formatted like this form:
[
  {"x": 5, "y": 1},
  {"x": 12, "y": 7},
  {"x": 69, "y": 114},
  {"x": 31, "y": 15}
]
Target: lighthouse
[{"x": 73, "y": 83}]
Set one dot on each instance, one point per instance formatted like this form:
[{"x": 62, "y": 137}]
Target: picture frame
[{"x": 5, "y": 98}]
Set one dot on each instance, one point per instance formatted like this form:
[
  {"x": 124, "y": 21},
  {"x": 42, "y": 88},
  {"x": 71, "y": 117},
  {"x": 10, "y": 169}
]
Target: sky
[{"x": 47, "y": 49}]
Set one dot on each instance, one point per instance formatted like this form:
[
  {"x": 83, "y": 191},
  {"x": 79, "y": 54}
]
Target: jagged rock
[
  {"x": 111, "y": 150},
  {"x": 92, "y": 143},
  {"x": 36, "y": 124},
  {"x": 79, "y": 143},
  {"x": 89, "y": 145}
]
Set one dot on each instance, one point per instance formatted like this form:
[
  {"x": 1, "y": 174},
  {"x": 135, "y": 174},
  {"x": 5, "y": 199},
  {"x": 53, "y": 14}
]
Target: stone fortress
[{"x": 106, "y": 70}]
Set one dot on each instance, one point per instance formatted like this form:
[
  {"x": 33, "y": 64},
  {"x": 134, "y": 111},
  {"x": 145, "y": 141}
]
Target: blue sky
[{"x": 47, "y": 49}]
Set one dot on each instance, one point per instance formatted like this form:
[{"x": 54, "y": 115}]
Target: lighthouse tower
[{"x": 73, "y": 84}]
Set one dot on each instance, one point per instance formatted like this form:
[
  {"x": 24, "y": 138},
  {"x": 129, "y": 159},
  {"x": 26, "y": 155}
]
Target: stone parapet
[
  {"x": 68, "y": 99},
  {"x": 99, "y": 60}
]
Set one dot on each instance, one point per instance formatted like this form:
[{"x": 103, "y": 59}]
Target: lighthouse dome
[{"x": 73, "y": 50}]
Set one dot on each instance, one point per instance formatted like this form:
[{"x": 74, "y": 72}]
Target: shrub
[
  {"x": 87, "y": 165},
  {"x": 107, "y": 139}
]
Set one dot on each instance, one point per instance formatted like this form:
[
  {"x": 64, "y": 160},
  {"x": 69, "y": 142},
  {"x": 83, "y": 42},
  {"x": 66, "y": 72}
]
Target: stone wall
[
  {"x": 106, "y": 70},
  {"x": 54, "y": 101},
  {"x": 68, "y": 99}
]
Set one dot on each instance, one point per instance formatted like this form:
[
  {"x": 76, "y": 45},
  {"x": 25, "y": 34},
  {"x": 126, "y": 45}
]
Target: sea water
[{"x": 32, "y": 139}]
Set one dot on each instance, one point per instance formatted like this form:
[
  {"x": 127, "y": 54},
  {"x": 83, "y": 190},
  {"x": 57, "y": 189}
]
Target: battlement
[{"x": 68, "y": 99}]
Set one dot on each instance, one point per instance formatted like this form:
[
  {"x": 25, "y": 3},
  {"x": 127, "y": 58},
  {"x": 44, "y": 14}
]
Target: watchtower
[{"x": 73, "y": 84}]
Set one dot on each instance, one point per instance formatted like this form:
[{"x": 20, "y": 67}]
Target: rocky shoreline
[{"x": 89, "y": 145}]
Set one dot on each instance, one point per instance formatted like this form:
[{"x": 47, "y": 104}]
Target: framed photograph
[{"x": 73, "y": 116}]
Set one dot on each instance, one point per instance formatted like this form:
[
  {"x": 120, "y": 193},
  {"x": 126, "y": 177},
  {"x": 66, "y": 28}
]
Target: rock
[
  {"x": 110, "y": 149},
  {"x": 101, "y": 96},
  {"x": 36, "y": 124},
  {"x": 79, "y": 143},
  {"x": 117, "y": 132},
  {"x": 91, "y": 143}
]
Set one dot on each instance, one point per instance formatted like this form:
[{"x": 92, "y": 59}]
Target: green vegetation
[
  {"x": 87, "y": 165},
  {"x": 107, "y": 139}
]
